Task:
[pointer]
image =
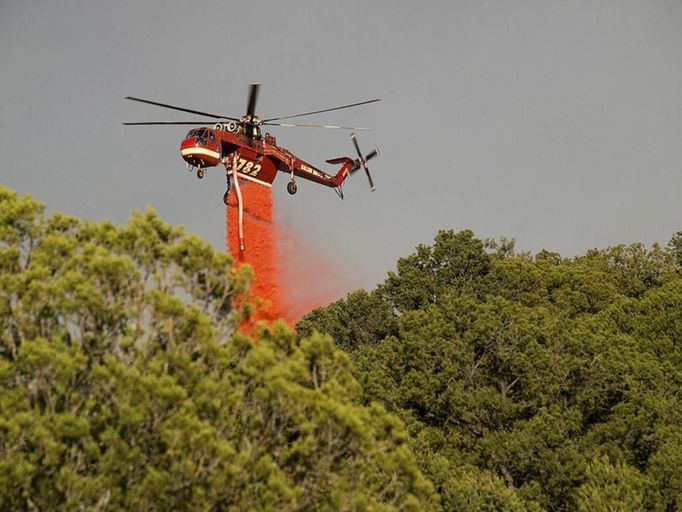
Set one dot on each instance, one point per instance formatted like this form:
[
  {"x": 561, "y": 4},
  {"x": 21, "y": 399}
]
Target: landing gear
[
  {"x": 291, "y": 186},
  {"x": 200, "y": 173}
]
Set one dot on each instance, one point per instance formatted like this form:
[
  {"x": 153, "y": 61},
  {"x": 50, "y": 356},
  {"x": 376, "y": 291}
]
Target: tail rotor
[{"x": 362, "y": 160}]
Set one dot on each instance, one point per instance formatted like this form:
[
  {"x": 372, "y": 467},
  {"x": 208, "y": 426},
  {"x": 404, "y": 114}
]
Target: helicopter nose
[{"x": 195, "y": 152}]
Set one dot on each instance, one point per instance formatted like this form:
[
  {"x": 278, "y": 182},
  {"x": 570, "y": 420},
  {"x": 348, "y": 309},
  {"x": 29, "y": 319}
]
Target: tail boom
[{"x": 311, "y": 173}]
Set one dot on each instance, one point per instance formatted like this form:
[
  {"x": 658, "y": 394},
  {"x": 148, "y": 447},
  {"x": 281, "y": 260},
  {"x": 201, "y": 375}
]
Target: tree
[
  {"x": 456, "y": 260},
  {"x": 675, "y": 247},
  {"x": 612, "y": 487},
  {"x": 361, "y": 319},
  {"x": 516, "y": 375},
  {"x": 124, "y": 383}
]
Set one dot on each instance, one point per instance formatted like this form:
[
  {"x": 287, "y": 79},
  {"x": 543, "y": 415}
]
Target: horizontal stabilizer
[{"x": 340, "y": 160}]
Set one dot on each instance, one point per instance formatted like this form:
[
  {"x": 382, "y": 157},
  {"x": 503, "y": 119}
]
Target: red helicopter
[{"x": 240, "y": 146}]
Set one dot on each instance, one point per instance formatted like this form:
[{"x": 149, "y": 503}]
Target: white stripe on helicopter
[{"x": 200, "y": 151}]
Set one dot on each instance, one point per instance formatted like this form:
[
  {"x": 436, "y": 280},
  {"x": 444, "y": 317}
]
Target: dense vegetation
[
  {"x": 528, "y": 383},
  {"x": 473, "y": 378},
  {"x": 123, "y": 385}
]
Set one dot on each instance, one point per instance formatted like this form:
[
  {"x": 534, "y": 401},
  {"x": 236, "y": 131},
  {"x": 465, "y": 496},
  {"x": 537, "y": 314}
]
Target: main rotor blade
[
  {"x": 321, "y": 111},
  {"x": 315, "y": 126},
  {"x": 181, "y": 109},
  {"x": 369, "y": 178},
  {"x": 371, "y": 154},
  {"x": 148, "y": 123},
  {"x": 253, "y": 97},
  {"x": 357, "y": 147}
]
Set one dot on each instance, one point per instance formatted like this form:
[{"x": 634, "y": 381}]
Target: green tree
[
  {"x": 361, "y": 319},
  {"x": 456, "y": 260},
  {"x": 517, "y": 375},
  {"x": 611, "y": 487},
  {"x": 124, "y": 384},
  {"x": 675, "y": 246}
]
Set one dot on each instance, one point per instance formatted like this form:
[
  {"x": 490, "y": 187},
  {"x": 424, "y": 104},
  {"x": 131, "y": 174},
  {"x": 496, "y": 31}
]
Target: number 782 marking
[{"x": 247, "y": 167}]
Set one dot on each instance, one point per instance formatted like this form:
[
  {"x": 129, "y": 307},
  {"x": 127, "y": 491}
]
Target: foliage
[
  {"x": 473, "y": 378},
  {"x": 528, "y": 382},
  {"x": 124, "y": 386}
]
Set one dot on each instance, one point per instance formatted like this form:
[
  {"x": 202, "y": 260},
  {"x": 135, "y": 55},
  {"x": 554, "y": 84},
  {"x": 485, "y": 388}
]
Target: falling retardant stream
[
  {"x": 291, "y": 278},
  {"x": 259, "y": 250}
]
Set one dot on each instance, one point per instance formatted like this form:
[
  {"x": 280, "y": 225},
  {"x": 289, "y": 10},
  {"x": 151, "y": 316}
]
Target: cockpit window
[{"x": 196, "y": 132}]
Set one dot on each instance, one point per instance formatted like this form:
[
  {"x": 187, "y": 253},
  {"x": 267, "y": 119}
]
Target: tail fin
[
  {"x": 344, "y": 172},
  {"x": 350, "y": 166},
  {"x": 340, "y": 160}
]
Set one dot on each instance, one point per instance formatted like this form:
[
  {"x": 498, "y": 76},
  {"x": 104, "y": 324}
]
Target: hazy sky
[{"x": 558, "y": 123}]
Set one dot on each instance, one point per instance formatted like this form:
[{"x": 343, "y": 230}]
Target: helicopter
[{"x": 239, "y": 145}]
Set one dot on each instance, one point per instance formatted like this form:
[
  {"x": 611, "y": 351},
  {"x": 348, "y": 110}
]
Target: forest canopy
[
  {"x": 527, "y": 382},
  {"x": 475, "y": 377},
  {"x": 124, "y": 384}
]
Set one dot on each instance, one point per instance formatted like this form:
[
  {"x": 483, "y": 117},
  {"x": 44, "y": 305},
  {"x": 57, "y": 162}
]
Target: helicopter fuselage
[
  {"x": 239, "y": 145},
  {"x": 256, "y": 159}
]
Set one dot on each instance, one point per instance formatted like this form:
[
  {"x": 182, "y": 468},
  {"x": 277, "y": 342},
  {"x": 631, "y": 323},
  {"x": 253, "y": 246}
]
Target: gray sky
[{"x": 558, "y": 123}]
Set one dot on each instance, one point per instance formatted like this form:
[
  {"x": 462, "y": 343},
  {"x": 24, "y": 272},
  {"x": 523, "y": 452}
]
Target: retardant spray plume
[
  {"x": 291, "y": 277},
  {"x": 310, "y": 277},
  {"x": 259, "y": 247}
]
